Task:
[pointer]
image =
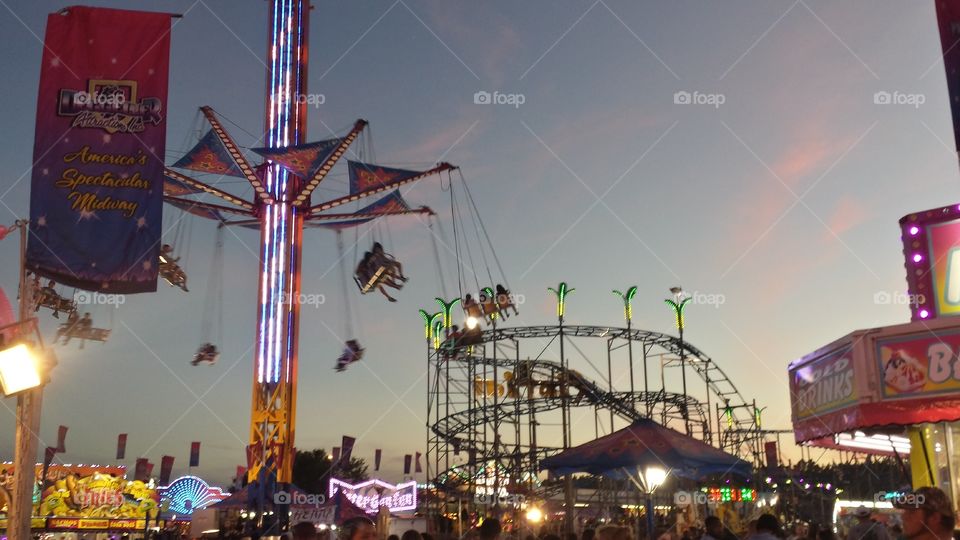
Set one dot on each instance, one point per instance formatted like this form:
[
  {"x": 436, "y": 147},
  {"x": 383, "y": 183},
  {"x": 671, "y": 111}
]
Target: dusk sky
[{"x": 781, "y": 197}]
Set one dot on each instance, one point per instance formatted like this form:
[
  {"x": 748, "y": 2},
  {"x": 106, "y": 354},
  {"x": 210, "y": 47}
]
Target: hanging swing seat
[
  {"x": 369, "y": 285},
  {"x": 171, "y": 272},
  {"x": 206, "y": 354},
  {"x": 81, "y": 329},
  {"x": 352, "y": 352},
  {"x": 49, "y": 298}
]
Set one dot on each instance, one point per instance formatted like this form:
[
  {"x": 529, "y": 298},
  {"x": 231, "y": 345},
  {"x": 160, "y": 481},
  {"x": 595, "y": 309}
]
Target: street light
[
  {"x": 678, "y": 303},
  {"x": 651, "y": 478},
  {"x": 19, "y": 370},
  {"x": 534, "y": 515},
  {"x": 472, "y": 322}
]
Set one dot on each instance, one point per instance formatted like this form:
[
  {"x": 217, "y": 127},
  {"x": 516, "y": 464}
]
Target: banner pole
[{"x": 28, "y": 422}]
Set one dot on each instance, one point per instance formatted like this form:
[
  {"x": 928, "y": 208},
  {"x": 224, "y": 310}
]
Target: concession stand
[{"x": 895, "y": 390}]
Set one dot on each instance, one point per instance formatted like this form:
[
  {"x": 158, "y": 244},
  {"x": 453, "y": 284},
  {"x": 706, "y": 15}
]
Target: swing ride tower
[
  {"x": 273, "y": 414},
  {"x": 281, "y": 209}
]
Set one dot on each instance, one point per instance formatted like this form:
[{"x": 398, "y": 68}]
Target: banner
[
  {"x": 336, "y": 455},
  {"x": 97, "y": 187},
  {"x": 195, "y": 454},
  {"x": 406, "y": 464},
  {"x": 346, "y": 449},
  {"x": 166, "y": 468},
  {"x": 376, "y": 459},
  {"x": 773, "y": 458},
  {"x": 121, "y": 445},
  {"x": 62, "y": 439},
  {"x": 140, "y": 471},
  {"x": 917, "y": 365},
  {"x": 417, "y": 461},
  {"x": 948, "y": 19}
]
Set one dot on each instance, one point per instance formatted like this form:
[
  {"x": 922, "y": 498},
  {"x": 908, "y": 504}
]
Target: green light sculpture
[
  {"x": 561, "y": 291},
  {"x": 627, "y": 298},
  {"x": 446, "y": 308}
]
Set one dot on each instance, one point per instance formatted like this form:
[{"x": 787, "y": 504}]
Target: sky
[{"x": 777, "y": 191}]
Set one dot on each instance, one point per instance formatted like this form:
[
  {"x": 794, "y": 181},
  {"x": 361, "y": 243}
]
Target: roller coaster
[{"x": 491, "y": 406}]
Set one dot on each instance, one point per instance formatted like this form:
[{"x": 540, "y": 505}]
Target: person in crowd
[
  {"x": 751, "y": 528},
  {"x": 304, "y": 530},
  {"x": 490, "y": 529},
  {"x": 826, "y": 533},
  {"x": 613, "y": 532},
  {"x": 866, "y": 527},
  {"x": 768, "y": 528},
  {"x": 411, "y": 534},
  {"x": 714, "y": 529},
  {"x": 927, "y": 514},
  {"x": 358, "y": 528},
  {"x": 393, "y": 537},
  {"x": 426, "y": 536},
  {"x": 588, "y": 534}
]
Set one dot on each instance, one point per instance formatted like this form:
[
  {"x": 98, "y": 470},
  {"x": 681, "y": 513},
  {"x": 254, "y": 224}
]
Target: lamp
[
  {"x": 653, "y": 477},
  {"x": 534, "y": 515},
  {"x": 472, "y": 322},
  {"x": 19, "y": 369}
]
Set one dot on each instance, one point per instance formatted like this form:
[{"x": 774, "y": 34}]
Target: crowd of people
[{"x": 925, "y": 514}]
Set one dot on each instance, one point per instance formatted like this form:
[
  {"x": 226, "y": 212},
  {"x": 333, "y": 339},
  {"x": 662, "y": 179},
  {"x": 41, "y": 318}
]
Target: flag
[
  {"x": 347, "y": 448},
  {"x": 366, "y": 176},
  {"x": 254, "y": 455},
  {"x": 62, "y": 439},
  {"x": 303, "y": 160},
  {"x": 948, "y": 19},
  {"x": 140, "y": 470},
  {"x": 209, "y": 155},
  {"x": 121, "y": 445},
  {"x": 770, "y": 448},
  {"x": 166, "y": 467},
  {"x": 376, "y": 459},
  {"x": 418, "y": 469},
  {"x": 391, "y": 203},
  {"x": 336, "y": 455},
  {"x": 406, "y": 464},
  {"x": 96, "y": 201},
  {"x": 48, "y": 454},
  {"x": 195, "y": 454},
  {"x": 238, "y": 479}
]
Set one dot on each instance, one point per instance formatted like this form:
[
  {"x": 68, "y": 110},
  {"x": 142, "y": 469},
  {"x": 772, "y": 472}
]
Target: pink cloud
[{"x": 848, "y": 213}]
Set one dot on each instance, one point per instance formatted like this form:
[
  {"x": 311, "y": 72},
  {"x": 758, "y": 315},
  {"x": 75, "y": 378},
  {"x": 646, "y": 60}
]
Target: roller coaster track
[{"x": 537, "y": 385}]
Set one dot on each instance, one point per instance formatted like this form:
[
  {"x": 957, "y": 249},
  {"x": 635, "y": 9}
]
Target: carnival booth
[{"x": 895, "y": 390}]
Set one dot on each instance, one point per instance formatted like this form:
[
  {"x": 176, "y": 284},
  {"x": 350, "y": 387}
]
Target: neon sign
[
  {"x": 372, "y": 494},
  {"x": 728, "y": 494},
  {"x": 189, "y": 493}
]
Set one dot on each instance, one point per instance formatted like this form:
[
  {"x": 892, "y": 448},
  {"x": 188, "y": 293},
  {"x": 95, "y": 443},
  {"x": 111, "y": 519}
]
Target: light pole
[
  {"x": 653, "y": 477},
  {"x": 29, "y": 399},
  {"x": 561, "y": 293},
  {"x": 627, "y": 298},
  {"x": 678, "y": 303}
]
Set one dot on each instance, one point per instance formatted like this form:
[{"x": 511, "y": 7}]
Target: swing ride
[{"x": 75, "y": 327}]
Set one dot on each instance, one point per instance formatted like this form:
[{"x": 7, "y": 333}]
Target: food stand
[{"x": 895, "y": 390}]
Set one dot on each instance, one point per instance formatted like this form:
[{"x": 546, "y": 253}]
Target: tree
[{"x": 311, "y": 470}]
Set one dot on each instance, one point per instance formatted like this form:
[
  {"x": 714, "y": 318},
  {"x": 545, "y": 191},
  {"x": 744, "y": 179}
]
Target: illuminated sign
[
  {"x": 189, "y": 493},
  {"x": 372, "y": 494},
  {"x": 823, "y": 385},
  {"x": 931, "y": 250},
  {"x": 729, "y": 494}
]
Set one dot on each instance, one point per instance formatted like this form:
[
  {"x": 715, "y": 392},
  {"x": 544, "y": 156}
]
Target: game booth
[
  {"x": 85, "y": 501},
  {"x": 895, "y": 390}
]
